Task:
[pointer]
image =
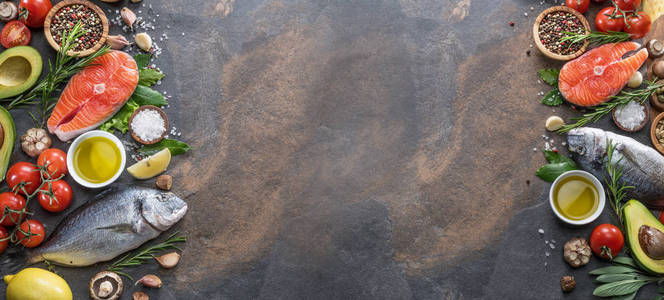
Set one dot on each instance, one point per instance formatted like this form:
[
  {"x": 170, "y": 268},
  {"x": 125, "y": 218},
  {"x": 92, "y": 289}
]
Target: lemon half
[{"x": 151, "y": 166}]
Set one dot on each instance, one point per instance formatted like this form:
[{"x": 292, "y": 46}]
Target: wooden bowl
[
  {"x": 95, "y": 8},
  {"x": 643, "y": 123},
  {"x": 541, "y": 46},
  {"x": 163, "y": 115},
  {"x": 653, "y": 137}
]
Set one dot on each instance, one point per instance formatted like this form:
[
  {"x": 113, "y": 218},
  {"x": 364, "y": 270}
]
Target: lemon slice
[
  {"x": 151, "y": 166},
  {"x": 654, "y": 8}
]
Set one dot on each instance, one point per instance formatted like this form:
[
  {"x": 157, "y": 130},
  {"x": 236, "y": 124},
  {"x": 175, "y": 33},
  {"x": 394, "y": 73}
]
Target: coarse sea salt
[
  {"x": 631, "y": 115},
  {"x": 148, "y": 125}
]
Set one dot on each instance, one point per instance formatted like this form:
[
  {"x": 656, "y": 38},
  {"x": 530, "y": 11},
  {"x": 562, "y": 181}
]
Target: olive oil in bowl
[
  {"x": 96, "y": 159},
  {"x": 577, "y": 197}
]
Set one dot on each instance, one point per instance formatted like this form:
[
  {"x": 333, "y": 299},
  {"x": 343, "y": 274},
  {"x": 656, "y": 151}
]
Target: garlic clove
[
  {"x": 129, "y": 17},
  {"x": 150, "y": 281},
  {"x": 117, "y": 42},
  {"x": 143, "y": 41},
  {"x": 168, "y": 260}
]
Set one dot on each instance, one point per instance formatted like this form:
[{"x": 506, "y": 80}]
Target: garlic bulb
[{"x": 35, "y": 141}]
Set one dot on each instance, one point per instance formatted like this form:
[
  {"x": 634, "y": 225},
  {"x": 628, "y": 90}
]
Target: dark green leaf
[
  {"x": 624, "y": 260},
  {"x": 616, "y": 277},
  {"x": 553, "y": 98},
  {"x": 144, "y": 95},
  {"x": 550, "y": 76},
  {"x": 625, "y": 297},
  {"x": 120, "y": 120},
  {"x": 618, "y": 288},
  {"x": 176, "y": 147},
  {"x": 553, "y": 157},
  {"x": 612, "y": 270},
  {"x": 659, "y": 297},
  {"x": 148, "y": 77},
  {"x": 142, "y": 60},
  {"x": 550, "y": 172}
]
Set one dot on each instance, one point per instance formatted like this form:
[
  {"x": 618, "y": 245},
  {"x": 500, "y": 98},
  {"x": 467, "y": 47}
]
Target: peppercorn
[
  {"x": 66, "y": 18},
  {"x": 567, "y": 283},
  {"x": 551, "y": 31}
]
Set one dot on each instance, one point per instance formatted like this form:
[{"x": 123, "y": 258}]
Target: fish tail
[{"x": 13, "y": 260}]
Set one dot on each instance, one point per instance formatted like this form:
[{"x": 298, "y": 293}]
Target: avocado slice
[
  {"x": 7, "y": 138},
  {"x": 645, "y": 235},
  {"x": 20, "y": 68}
]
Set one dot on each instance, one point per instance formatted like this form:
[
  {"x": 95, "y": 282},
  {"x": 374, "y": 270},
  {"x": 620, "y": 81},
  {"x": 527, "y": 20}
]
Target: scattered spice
[
  {"x": 577, "y": 252},
  {"x": 630, "y": 116},
  {"x": 512, "y": 23},
  {"x": 8, "y": 11},
  {"x": 35, "y": 141},
  {"x": 148, "y": 125},
  {"x": 552, "y": 29},
  {"x": 567, "y": 283},
  {"x": 66, "y": 18}
]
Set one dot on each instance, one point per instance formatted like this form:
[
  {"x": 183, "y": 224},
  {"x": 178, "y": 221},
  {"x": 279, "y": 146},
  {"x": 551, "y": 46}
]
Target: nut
[
  {"x": 554, "y": 123},
  {"x": 129, "y": 17},
  {"x": 140, "y": 296},
  {"x": 168, "y": 260},
  {"x": 136, "y": 1},
  {"x": 105, "y": 285},
  {"x": 165, "y": 182},
  {"x": 567, "y": 283},
  {"x": 143, "y": 41},
  {"x": 577, "y": 252},
  {"x": 35, "y": 141},
  {"x": 150, "y": 281}
]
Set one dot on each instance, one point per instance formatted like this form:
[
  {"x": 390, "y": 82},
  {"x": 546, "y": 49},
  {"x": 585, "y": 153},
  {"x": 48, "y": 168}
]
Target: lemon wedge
[
  {"x": 654, "y": 8},
  {"x": 151, "y": 166}
]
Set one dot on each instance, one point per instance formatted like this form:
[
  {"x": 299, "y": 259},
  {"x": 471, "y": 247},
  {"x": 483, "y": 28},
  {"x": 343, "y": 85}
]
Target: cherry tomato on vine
[
  {"x": 15, "y": 34},
  {"x": 56, "y": 160},
  {"x": 580, "y": 5},
  {"x": 56, "y": 198},
  {"x": 24, "y": 172},
  {"x": 3, "y": 235},
  {"x": 33, "y": 12},
  {"x": 36, "y": 233},
  {"x": 604, "y": 22},
  {"x": 13, "y": 201},
  {"x": 606, "y": 238},
  {"x": 628, "y": 4},
  {"x": 638, "y": 25},
  {"x": 661, "y": 217}
]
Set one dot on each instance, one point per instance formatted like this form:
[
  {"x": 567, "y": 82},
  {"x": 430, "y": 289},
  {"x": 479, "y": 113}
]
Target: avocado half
[
  {"x": 636, "y": 216},
  {"x": 20, "y": 68}
]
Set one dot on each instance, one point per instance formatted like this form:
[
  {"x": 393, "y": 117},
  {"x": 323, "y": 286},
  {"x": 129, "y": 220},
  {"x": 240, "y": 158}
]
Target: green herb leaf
[
  {"x": 554, "y": 157},
  {"x": 553, "y": 98},
  {"x": 625, "y": 297},
  {"x": 624, "y": 260},
  {"x": 550, "y": 76},
  {"x": 618, "y": 288},
  {"x": 612, "y": 270},
  {"x": 120, "y": 120},
  {"x": 550, "y": 172},
  {"x": 144, "y": 95},
  {"x": 176, "y": 147},
  {"x": 142, "y": 60},
  {"x": 148, "y": 77},
  {"x": 605, "y": 278}
]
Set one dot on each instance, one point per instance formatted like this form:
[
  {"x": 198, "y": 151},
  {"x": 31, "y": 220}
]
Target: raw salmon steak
[
  {"x": 600, "y": 73},
  {"x": 94, "y": 95}
]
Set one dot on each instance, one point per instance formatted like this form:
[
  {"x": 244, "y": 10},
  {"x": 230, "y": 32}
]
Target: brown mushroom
[
  {"x": 655, "y": 48},
  {"x": 577, "y": 252},
  {"x": 106, "y": 285},
  {"x": 651, "y": 241},
  {"x": 8, "y": 11},
  {"x": 658, "y": 68},
  {"x": 567, "y": 283},
  {"x": 140, "y": 296}
]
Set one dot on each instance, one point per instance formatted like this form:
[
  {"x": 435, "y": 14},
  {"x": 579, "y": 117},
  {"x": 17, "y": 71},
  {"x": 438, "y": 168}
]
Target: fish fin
[{"x": 120, "y": 228}]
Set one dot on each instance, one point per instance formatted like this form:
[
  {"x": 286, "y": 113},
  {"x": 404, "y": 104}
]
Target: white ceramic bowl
[
  {"x": 600, "y": 192},
  {"x": 85, "y": 136}
]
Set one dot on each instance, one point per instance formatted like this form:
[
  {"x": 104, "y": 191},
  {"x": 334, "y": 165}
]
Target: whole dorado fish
[
  {"x": 642, "y": 166},
  {"x": 116, "y": 221}
]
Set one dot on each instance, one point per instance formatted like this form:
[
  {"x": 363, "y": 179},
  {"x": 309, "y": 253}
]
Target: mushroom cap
[{"x": 102, "y": 276}]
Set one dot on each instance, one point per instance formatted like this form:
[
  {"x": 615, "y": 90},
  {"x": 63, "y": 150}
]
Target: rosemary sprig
[
  {"x": 64, "y": 67},
  {"x": 622, "y": 99},
  {"x": 595, "y": 37},
  {"x": 616, "y": 191},
  {"x": 145, "y": 255}
]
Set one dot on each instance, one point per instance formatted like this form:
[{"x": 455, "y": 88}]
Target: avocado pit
[{"x": 651, "y": 241}]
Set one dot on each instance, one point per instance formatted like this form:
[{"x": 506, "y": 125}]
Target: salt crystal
[
  {"x": 552, "y": 246},
  {"x": 148, "y": 125},
  {"x": 534, "y": 149},
  {"x": 547, "y": 253},
  {"x": 541, "y": 231},
  {"x": 525, "y": 14},
  {"x": 631, "y": 115}
]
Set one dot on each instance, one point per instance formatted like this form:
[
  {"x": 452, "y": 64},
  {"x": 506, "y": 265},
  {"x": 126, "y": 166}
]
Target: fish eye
[{"x": 580, "y": 149}]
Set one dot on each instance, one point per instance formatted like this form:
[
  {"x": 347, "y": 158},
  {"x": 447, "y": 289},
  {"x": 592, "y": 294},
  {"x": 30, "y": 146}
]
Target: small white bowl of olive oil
[
  {"x": 577, "y": 197},
  {"x": 96, "y": 159}
]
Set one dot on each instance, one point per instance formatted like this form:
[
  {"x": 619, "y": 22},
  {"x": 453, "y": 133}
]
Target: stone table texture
[{"x": 352, "y": 150}]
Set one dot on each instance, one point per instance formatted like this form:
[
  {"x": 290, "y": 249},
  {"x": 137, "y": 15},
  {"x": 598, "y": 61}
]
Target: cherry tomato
[
  {"x": 580, "y": 5},
  {"x": 638, "y": 26},
  {"x": 606, "y": 237},
  {"x": 24, "y": 172},
  {"x": 13, "y": 201},
  {"x": 661, "y": 217},
  {"x": 604, "y": 23},
  {"x": 56, "y": 160},
  {"x": 4, "y": 241},
  {"x": 33, "y": 12},
  {"x": 628, "y": 4},
  {"x": 15, "y": 34},
  {"x": 36, "y": 230},
  {"x": 57, "y": 198}
]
